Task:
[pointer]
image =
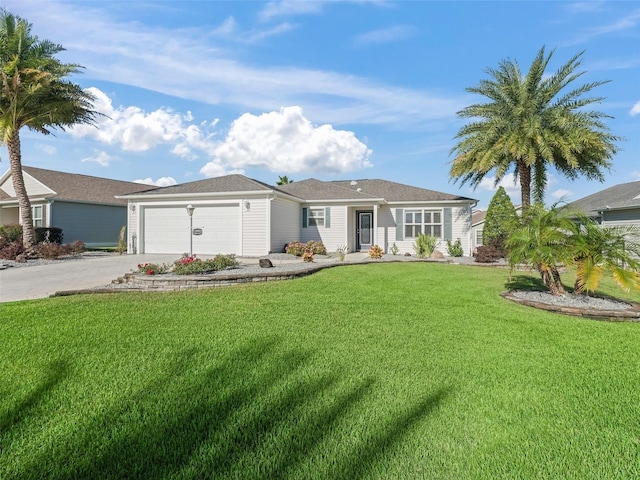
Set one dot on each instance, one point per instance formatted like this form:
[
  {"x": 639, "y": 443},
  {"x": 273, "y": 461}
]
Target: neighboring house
[
  {"x": 84, "y": 207},
  {"x": 236, "y": 214},
  {"x": 617, "y": 205},
  {"x": 477, "y": 227}
]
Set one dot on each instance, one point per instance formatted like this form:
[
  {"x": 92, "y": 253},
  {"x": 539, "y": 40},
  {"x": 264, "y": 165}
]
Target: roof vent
[
  {"x": 358, "y": 189},
  {"x": 353, "y": 183}
]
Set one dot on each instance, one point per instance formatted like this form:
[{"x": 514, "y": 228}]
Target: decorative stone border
[{"x": 631, "y": 314}]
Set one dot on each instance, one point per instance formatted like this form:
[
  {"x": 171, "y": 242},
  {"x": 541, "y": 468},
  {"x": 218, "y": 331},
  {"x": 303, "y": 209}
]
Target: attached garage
[{"x": 165, "y": 229}]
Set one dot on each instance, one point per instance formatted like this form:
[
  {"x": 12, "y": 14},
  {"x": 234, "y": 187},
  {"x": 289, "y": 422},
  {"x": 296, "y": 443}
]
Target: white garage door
[{"x": 166, "y": 229}]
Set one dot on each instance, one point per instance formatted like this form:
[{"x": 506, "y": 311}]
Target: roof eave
[{"x": 169, "y": 196}]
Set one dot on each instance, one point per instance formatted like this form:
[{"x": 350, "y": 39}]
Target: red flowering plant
[{"x": 152, "y": 268}]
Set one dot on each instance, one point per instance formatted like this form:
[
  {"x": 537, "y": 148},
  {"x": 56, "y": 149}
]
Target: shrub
[
  {"x": 295, "y": 248},
  {"x": 317, "y": 248},
  {"x": 77, "y": 247},
  {"x": 487, "y": 254},
  {"x": 455, "y": 249},
  {"x": 425, "y": 245},
  {"x": 375, "y": 252},
  {"x": 307, "y": 257},
  {"x": 341, "y": 251},
  {"x": 299, "y": 248},
  {"x": 190, "y": 265},
  {"x": 11, "y": 232},
  {"x": 500, "y": 221},
  {"x": 11, "y": 250},
  {"x": 49, "y": 235},
  {"x": 394, "y": 249},
  {"x": 122, "y": 240},
  {"x": 51, "y": 251},
  {"x": 152, "y": 268}
]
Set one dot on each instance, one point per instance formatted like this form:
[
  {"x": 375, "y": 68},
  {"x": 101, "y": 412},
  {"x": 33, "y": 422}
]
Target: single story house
[
  {"x": 239, "y": 215},
  {"x": 614, "y": 206},
  {"x": 84, "y": 207}
]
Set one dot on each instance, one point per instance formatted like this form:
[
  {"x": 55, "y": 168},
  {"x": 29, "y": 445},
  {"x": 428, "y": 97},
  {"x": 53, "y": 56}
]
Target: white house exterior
[{"x": 239, "y": 215}]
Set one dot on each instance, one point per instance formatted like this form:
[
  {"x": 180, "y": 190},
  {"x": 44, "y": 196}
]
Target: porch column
[{"x": 374, "y": 230}]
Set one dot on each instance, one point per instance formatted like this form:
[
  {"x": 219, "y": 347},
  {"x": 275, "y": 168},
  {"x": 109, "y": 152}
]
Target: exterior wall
[
  {"x": 133, "y": 210},
  {"x": 95, "y": 225},
  {"x": 476, "y": 236},
  {"x": 255, "y": 237},
  {"x": 286, "y": 221},
  {"x": 460, "y": 227},
  {"x": 614, "y": 218},
  {"x": 335, "y": 235},
  {"x": 9, "y": 215}
]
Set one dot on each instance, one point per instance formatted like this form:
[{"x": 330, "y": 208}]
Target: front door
[{"x": 364, "y": 230}]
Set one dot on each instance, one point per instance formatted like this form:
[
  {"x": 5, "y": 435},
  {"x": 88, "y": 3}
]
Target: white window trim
[
  {"x": 315, "y": 217},
  {"x": 423, "y": 224},
  {"x": 37, "y": 217}
]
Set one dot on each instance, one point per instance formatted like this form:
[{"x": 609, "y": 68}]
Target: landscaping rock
[
  {"x": 437, "y": 255},
  {"x": 265, "y": 263}
]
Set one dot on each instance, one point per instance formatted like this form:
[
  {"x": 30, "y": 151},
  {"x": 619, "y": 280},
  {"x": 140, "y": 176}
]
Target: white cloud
[
  {"x": 48, "y": 149},
  {"x": 635, "y": 110},
  {"x": 140, "y": 56},
  {"x": 136, "y": 130},
  {"x": 636, "y": 174},
  {"x": 161, "y": 182},
  {"x": 562, "y": 194},
  {"x": 286, "y": 141},
  {"x": 101, "y": 158},
  {"x": 385, "y": 35},
  {"x": 289, "y": 8}
]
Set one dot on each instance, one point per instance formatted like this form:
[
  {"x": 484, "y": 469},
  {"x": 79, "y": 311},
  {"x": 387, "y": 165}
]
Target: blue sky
[{"x": 324, "y": 89}]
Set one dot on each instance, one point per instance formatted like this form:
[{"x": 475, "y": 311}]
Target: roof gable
[{"x": 76, "y": 187}]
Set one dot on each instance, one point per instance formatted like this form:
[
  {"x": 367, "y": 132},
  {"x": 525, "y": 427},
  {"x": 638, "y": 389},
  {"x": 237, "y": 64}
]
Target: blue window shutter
[
  {"x": 447, "y": 221},
  {"x": 399, "y": 224},
  {"x": 305, "y": 213},
  {"x": 327, "y": 217}
]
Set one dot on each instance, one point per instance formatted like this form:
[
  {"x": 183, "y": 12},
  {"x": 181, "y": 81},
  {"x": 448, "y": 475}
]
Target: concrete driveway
[{"x": 41, "y": 281}]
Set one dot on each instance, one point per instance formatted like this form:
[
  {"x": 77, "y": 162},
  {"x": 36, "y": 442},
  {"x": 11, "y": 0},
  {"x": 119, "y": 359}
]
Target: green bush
[
  {"x": 455, "y": 248},
  {"x": 190, "y": 265},
  {"x": 49, "y": 235},
  {"x": 500, "y": 221},
  {"x": 425, "y": 245},
  {"x": 316, "y": 247},
  {"x": 299, "y": 248},
  {"x": 487, "y": 254},
  {"x": 11, "y": 232},
  {"x": 295, "y": 248},
  {"x": 153, "y": 268}
]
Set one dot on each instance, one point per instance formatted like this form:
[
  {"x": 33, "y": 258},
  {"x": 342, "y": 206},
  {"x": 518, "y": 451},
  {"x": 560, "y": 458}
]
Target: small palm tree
[
  {"x": 284, "y": 180},
  {"x": 35, "y": 95},
  {"x": 542, "y": 240},
  {"x": 530, "y": 123},
  {"x": 599, "y": 250}
]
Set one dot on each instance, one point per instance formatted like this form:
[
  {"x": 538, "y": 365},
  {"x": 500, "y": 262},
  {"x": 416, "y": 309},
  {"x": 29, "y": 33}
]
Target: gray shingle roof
[
  {"x": 618, "y": 196},
  {"x": 227, "y": 183},
  {"x": 81, "y": 188},
  {"x": 312, "y": 189},
  {"x": 398, "y": 192},
  {"x": 478, "y": 216}
]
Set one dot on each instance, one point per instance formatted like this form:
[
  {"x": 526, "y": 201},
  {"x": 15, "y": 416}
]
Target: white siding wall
[
  {"x": 33, "y": 187},
  {"x": 332, "y": 237},
  {"x": 286, "y": 222},
  {"x": 255, "y": 238},
  {"x": 460, "y": 228},
  {"x": 132, "y": 229}
]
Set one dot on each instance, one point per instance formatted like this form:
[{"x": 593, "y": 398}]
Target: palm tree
[
  {"x": 601, "y": 249},
  {"x": 542, "y": 240},
  {"x": 35, "y": 95},
  {"x": 284, "y": 180},
  {"x": 530, "y": 123}
]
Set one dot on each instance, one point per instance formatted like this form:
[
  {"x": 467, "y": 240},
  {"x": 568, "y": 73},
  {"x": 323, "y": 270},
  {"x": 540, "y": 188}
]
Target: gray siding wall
[
  {"x": 621, "y": 217},
  {"x": 286, "y": 218},
  {"x": 95, "y": 225}
]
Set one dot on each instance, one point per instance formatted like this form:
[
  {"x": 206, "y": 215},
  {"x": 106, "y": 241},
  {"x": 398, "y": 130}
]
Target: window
[
  {"x": 316, "y": 217},
  {"x": 36, "y": 213},
  {"x": 478, "y": 237},
  {"x": 428, "y": 222}
]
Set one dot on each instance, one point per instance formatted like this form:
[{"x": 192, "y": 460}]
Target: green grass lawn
[{"x": 386, "y": 371}]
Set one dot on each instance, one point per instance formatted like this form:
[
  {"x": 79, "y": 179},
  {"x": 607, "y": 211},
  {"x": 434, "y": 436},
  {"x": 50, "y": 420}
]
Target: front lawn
[{"x": 409, "y": 370}]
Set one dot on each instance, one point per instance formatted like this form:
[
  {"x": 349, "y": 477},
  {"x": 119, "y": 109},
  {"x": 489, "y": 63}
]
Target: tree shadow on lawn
[
  {"x": 54, "y": 373},
  {"x": 525, "y": 282},
  {"x": 263, "y": 411}
]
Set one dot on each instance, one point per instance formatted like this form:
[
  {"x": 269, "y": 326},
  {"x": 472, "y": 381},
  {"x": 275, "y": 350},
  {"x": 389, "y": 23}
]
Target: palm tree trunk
[
  {"x": 524, "y": 172},
  {"x": 551, "y": 278},
  {"x": 15, "y": 159}
]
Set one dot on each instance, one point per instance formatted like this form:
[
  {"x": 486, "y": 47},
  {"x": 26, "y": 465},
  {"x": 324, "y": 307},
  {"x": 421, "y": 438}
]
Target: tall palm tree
[
  {"x": 530, "y": 123},
  {"x": 34, "y": 94}
]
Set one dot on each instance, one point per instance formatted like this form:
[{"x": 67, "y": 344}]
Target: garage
[{"x": 166, "y": 229}]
